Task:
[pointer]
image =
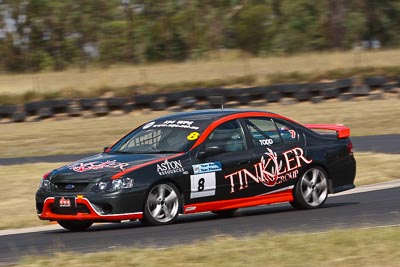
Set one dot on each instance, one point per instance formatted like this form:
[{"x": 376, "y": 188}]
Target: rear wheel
[
  {"x": 162, "y": 205},
  {"x": 75, "y": 225},
  {"x": 311, "y": 190}
]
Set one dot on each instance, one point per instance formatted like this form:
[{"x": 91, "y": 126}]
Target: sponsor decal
[
  {"x": 270, "y": 171},
  {"x": 190, "y": 208},
  {"x": 207, "y": 167},
  {"x": 170, "y": 167},
  {"x": 148, "y": 125},
  {"x": 176, "y": 124},
  {"x": 193, "y": 136},
  {"x": 293, "y": 133},
  {"x": 202, "y": 185},
  {"x": 96, "y": 165},
  {"x": 64, "y": 203},
  {"x": 266, "y": 142}
]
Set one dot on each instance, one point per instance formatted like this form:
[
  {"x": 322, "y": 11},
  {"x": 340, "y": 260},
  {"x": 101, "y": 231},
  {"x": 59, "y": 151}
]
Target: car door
[
  {"x": 278, "y": 152},
  {"x": 215, "y": 177}
]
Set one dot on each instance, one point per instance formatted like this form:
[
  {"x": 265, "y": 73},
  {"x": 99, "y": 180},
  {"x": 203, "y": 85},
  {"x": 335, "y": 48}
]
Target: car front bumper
[
  {"x": 91, "y": 206},
  {"x": 84, "y": 211}
]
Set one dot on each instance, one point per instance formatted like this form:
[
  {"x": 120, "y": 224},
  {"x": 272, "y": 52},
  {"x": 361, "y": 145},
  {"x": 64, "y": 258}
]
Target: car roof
[{"x": 207, "y": 114}]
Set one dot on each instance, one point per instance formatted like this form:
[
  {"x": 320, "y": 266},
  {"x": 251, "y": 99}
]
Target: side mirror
[
  {"x": 105, "y": 148},
  {"x": 210, "y": 151}
]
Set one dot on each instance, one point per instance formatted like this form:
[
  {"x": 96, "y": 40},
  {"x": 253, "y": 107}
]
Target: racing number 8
[
  {"x": 193, "y": 136},
  {"x": 201, "y": 185}
]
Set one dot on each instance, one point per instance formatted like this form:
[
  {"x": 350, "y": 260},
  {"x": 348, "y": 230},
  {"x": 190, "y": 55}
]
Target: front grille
[
  {"x": 70, "y": 187},
  {"x": 72, "y": 210}
]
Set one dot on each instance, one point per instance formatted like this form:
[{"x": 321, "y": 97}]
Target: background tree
[{"x": 54, "y": 34}]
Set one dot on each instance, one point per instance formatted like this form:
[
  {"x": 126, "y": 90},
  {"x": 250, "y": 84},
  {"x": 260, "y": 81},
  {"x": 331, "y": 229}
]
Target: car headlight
[
  {"x": 44, "y": 185},
  {"x": 115, "y": 185},
  {"x": 45, "y": 182}
]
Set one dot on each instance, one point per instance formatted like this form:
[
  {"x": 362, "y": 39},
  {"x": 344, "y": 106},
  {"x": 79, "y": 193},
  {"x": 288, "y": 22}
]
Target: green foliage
[
  {"x": 251, "y": 25},
  {"x": 40, "y": 35}
]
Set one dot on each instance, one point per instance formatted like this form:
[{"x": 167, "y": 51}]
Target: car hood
[{"x": 101, "y": 166}]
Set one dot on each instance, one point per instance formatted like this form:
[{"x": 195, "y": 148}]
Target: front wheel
[
  {"x": 75, "y": 226},
  {"x": 162, "y": 204},
  {"x": 311, "y": 190}
]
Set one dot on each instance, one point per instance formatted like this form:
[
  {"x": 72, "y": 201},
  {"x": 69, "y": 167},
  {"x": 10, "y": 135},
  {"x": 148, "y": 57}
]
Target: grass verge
[
  {"x": 221, "y": 71},
  {"x": 87, "y": 135},
  {"x": 354, "y": 247},
  {"x": 17, "y": 195}
]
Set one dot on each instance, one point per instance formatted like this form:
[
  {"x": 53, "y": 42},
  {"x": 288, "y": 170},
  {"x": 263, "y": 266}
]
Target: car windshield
[{"x": 165, "y": 136}]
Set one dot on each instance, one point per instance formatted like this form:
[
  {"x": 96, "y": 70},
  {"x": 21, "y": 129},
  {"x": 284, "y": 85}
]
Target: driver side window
[{"x": 228, "y": 136}]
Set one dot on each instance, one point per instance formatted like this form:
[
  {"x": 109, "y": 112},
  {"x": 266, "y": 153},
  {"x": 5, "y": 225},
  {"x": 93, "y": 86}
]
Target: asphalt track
[
  {"x": 368, "y": 209},
  {"x": 377, "y": 208},
  {"x": 389, "y": 144}
]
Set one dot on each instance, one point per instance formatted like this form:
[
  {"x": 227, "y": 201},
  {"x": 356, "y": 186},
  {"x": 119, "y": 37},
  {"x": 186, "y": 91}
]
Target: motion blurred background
[
  {"x": 117, "y": 50},
  {"x": 38, "y": 35}
]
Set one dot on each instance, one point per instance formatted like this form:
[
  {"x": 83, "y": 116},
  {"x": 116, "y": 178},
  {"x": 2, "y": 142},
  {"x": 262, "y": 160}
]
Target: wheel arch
[
  {"x": 164, "y": 181},
  {"x": 322, "y": 166}
]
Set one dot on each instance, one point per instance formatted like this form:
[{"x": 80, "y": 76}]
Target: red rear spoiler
[{"x": 341, "y": 130}]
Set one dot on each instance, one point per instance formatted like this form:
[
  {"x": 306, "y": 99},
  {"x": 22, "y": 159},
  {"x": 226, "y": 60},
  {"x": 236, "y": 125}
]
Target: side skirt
[{"x": 283, "y": 195}]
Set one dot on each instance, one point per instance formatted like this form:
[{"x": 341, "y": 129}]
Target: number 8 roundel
[{"x": 202, "y": 185}]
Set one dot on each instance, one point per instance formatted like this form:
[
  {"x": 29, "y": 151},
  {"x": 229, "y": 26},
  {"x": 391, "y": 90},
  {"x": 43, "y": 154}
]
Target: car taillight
[{"x": 350, "y": 147}]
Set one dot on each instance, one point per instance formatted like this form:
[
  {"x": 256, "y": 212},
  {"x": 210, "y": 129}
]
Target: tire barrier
[
  {"x": 330, "y": 93},
  {"x": 74, "y": 110},
  {"x": 244, "y": 99},
  {"x": 100, "y": 108},
  {"x": 346, "y": 96},
  {"x": 87, "y": 103},
  {"x": 18, "y": 116},
  {"x": 216, "y": 101},
  {"x": 128, "y": 107},
  {"x": 44, "y": 113},
  {"x": 172, "y": 99},
  {"x": 59, "y": 106},
  {"x": 344, "y": 84},
  {"x": 375, "y": 82},
  {"x": 390, "y": 87},
  {"x": 158, "y": 105},
  {"x": 373, "y": 88},
  {"x": 187, "y": 102},
  {"x": 117, "y": 103},
  {"x": 32, "y": 108},
  {"x": 144, "y": 101},
  {"x": 7, "y": 111},
  {"x": 273, "y": 96},
  {"x": 303, "y": 94},
  {"x": 360, "y": 90}
]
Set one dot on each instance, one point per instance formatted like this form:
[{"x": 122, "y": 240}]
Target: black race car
[{"x": 210, "y": 160}]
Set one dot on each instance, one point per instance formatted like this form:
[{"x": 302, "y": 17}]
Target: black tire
[
  {"x": 225, "y": 213},
  {"x": 162, "y": 205},
  {"x": 311, "y": 190},
  {"x": 75, "y": 226}
]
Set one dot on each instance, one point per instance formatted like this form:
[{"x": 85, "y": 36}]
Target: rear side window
[
  {"x": 263, "y": 132},
  {"x": 288, "y": 133}
]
